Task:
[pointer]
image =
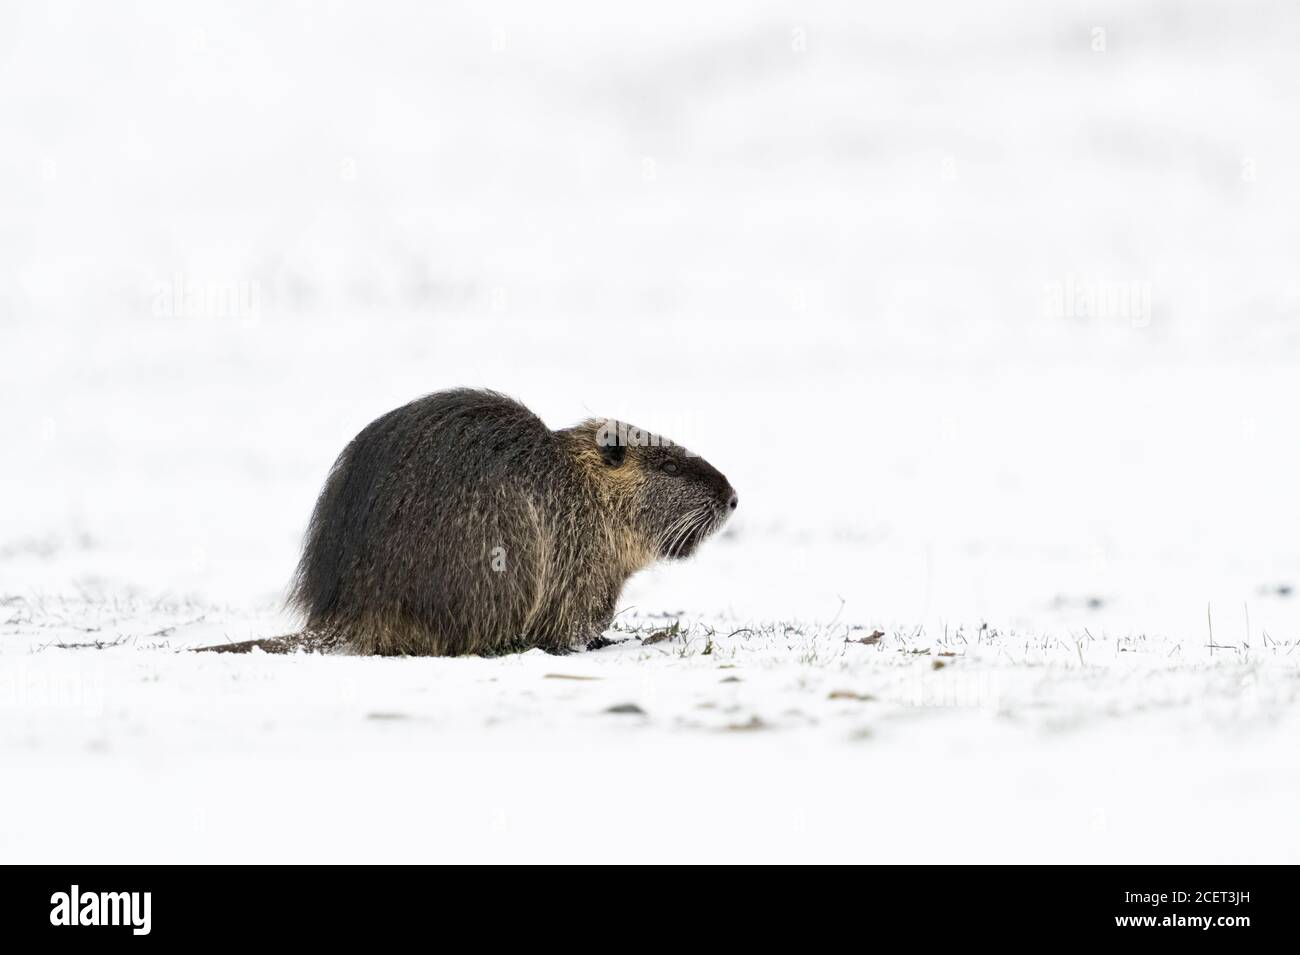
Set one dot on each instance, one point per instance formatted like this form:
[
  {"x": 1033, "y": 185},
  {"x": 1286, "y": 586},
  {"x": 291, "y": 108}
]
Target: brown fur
[{"x": 460, "y": 523}]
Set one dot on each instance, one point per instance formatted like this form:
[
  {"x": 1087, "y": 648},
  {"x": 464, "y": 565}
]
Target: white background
[{"x": 825, "y": 245}]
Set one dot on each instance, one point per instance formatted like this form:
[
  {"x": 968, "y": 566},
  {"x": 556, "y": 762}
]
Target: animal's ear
[
  {"x": 612, "y": 450},
  {"x": 613, "y": 454}
]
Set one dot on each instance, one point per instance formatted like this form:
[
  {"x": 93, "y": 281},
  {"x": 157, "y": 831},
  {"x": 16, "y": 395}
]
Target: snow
[
  {"x": 773, "y": 743},
  {"x": 234, "y": 236}
]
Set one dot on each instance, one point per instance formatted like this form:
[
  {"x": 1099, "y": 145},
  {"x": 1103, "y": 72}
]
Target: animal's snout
[{"x": 732, "y": 501}]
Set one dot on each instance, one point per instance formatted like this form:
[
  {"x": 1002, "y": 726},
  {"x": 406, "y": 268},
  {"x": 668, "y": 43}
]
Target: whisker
[
  {"x": 697, "y": 521},
  {"x": 671, "y": 531}
]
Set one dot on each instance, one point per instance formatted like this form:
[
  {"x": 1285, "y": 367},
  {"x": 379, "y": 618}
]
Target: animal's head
[{"x": 674, "y": 499}]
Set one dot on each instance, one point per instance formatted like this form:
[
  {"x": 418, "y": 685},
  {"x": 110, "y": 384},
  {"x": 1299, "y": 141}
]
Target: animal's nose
[{"x": 733, "y": 501}]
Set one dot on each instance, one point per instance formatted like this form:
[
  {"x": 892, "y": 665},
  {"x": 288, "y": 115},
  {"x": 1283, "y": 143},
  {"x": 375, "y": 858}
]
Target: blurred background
[{"x": 989, "y": 311}]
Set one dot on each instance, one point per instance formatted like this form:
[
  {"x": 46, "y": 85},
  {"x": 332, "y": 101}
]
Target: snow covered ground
[{"x": 990, "y": 317}]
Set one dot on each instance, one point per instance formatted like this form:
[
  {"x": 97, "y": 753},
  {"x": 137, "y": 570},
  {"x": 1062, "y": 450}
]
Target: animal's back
[{"x": 426, "y": 537}]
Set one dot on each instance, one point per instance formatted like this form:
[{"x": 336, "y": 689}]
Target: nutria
[{"x": 460, "y": 523}]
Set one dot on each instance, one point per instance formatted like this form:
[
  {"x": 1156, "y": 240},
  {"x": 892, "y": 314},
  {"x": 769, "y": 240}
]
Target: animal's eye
[{"x": 668, "y": 467}]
